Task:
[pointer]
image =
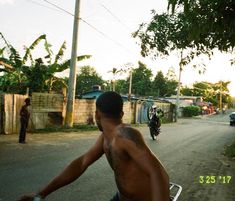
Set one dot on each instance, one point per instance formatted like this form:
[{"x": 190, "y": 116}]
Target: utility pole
[
  {"x": 72, "y": 74},
  {"x": 220, "y": 97},
  {"x": 130, "y": 85},
  {"x": 178, "y": 88}
]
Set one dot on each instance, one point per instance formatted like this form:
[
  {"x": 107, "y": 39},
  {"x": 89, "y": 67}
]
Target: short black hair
[
  {"x": 27, "y": 100},
  {"x": 110, "y": 103}
]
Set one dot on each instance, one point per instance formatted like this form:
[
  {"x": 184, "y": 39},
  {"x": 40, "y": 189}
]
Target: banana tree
[
  {"x": 13, "y": 64},
  {"x": 38, "y": 74},
  {"x": 50, "y": 67},
  {"x": 56, "y": 67}
]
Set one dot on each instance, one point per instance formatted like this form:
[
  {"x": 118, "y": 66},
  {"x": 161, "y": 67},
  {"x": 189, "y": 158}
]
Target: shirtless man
[{"x": 139, "y": 175}]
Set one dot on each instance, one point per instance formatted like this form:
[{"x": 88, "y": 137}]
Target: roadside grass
[
  {"x": 75, "y": 128},
  {"x": 80, "y": 128},
  {"x": 230, "y": 150}
]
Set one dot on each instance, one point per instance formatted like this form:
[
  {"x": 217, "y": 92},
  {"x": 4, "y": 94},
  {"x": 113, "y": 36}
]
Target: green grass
[
  {"x": 230, "y": 150},
  {"x": 75, "y": 128},
  {"x": 79, "y": 128}
]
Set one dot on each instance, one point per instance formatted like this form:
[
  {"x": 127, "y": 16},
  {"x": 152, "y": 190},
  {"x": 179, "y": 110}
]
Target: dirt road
[{"x": 191, "y": 150}]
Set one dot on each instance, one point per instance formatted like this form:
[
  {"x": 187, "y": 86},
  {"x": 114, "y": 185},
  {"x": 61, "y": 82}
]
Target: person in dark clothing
[
  {"x": 24, "y": 120},
  {"x": 155, "y": 121}
]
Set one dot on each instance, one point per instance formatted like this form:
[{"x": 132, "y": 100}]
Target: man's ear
[
  {"x": 97, "y": 115},
  {"x": 121, "y": 115}
]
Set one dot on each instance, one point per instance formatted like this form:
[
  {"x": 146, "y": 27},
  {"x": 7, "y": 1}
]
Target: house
[{"x": 184, "y": 100}]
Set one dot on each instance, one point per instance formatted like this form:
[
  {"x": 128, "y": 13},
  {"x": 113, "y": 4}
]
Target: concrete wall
[
  {"x": 84, "y": 111},
  {"x": 48, "y": 110}
]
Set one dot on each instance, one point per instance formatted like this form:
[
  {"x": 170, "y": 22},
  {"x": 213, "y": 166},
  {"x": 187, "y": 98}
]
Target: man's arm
[
  {"x": 133, "y": 143},
  {"x": 73, "y": 171}
]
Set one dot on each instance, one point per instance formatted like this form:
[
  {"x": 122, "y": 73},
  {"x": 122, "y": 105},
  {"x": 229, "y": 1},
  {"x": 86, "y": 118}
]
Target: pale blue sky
[{"x": 22, "y": 21}]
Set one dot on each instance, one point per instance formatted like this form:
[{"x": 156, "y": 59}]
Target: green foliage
[
  {"x": 159, "y": 85},
  {"x": 39, "y": 75},
  {"x": 86, "y": 78},
  {"x": 122, "y": 86},
  {"x": 76, "y": 129},
  {"x": 141, "y": 79},
  {"x": 171, "y": 86},
  {"x": 165, "y": 33},
  {"x": 114, "y": 73},
  {"x": 191, "y": 111},
  {"x": 209, "y": 91},
  {"x": 217, "y": 26},
  {"x": 230, "y": 150},
  {"x": 163, "y": 86},
  {"x": 186, "y": 91},
  {"x": 181, "y": 30}
]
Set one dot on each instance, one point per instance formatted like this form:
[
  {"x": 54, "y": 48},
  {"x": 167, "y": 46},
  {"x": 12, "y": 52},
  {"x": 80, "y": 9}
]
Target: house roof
[
  {"x": 184, "y": 97},
  {"x": 92, "y": 94}
]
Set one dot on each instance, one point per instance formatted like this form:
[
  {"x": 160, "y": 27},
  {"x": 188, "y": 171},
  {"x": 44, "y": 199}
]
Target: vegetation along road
[{"x": 191, "y": 150}]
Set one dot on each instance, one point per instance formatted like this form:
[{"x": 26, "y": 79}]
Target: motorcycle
[
  {"x": 154, "y": 130},
  {"x": 154, "y": 123}
]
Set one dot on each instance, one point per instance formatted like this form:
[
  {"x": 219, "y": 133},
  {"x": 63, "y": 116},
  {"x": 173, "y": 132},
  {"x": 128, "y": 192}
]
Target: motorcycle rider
[{"x": 155, "y": 121}]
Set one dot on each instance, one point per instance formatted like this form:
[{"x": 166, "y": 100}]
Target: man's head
[
  {"x": 27, "y": 101},
  {"x": 154, "y": 108},
  {"x": 109, "y": 105}
]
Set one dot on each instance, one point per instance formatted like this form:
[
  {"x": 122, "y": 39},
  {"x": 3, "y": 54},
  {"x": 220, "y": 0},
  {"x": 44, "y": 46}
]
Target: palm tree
[{"x": 114, "y": 72}]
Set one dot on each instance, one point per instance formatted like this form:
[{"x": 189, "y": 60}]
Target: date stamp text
[{"x": 211, "y": 179}]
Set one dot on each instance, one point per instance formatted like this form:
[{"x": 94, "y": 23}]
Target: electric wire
[
  {"x": 58, "y": 7},
  {"x": 91, "y": 26},
  {"x": 115, "y": 17},
  {"x": 104, "y": 35},
  {"x": 42, "y": 5}
]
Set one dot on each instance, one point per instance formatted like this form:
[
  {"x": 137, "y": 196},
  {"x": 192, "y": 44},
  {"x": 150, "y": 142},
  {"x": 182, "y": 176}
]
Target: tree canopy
[
  {"x": 196, "y": 25},
  {"x": 211, "y": 23},
  {"x": 209, "y": 91},
  {"x": 86, "y": 78},
  {"x": 141, "y": 80}
]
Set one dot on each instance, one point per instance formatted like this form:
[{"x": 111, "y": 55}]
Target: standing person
[
  {"x": 138, "y": 173},
  {"x": 24, "y": 120}
]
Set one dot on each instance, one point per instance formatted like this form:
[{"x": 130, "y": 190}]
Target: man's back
[
  {"x": 135, "y": 167},
  {"x": 138, "y": 173}
]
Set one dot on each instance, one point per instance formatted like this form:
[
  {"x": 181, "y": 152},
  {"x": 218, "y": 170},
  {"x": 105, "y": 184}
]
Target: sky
[{"x": 104, "y": 32}]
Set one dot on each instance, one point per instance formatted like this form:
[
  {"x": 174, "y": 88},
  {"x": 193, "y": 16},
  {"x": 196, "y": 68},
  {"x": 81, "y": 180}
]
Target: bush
[
  {"x": 230, "y": 150},
  {"x": 190, "y": 111}
]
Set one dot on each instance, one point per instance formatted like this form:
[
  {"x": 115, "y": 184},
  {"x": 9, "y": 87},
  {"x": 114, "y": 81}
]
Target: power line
[
  {"x": 111, "y": 13},
  {"x": 104, "y": 35},
  {"x": 58, "y": 7},
  {"x": 42, "y": 5},
  {"x": 93, "y": 27}
]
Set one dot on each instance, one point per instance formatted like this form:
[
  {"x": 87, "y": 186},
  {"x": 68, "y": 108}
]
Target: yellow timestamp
[{"x": 211, "y": 179}]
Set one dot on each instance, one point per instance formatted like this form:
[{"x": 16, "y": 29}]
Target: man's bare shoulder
[{"x": 126, "y": 132}]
